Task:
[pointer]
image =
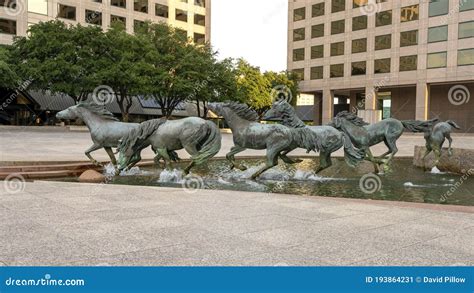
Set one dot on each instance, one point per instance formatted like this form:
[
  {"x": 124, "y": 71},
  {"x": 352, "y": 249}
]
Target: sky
[{"x": 259, "y": 34}]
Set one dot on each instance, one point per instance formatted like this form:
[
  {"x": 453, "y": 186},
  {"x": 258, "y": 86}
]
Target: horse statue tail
[
  {"x": 136, "y": 139},
  {"x": 453, "y": 124},
  {"x": 209, "y": 138},
  {"x": 419, "y": 126},
  {"x": 352, "y": 155}
]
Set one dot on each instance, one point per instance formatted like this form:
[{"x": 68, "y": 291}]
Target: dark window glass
[
  {"x": 359, "y": 45},
  {"x": 317, "y": 31},
  {"x": 409, "y": 38},
  {"x": 199, "y": 39},
  {"x": 409, "y": 13},
  {"x": 466, "y": 57},
  {"x": 67, "y": 12},
  {"x": 383, "y": 18},
  {"x": 140, "y": 6},
  {"x": 317, "y": 52},
  {"x": 299, "y": 14},
  {"x": 438, "y": 7},
  {"x": 437, "y": 60},
  {"x": 337, "y": 27},
  {"x": 336, "y": 70},
  {"x": 161, "y": 10},
  {"x": 7, "y": 26},
  {"x": 299, "y": 73},
  {"x": 358, "y": 68},
  {"x": 359, "y": 23},
  {"x": 199, "y": 19},
  {"x": 382, "y": 65},
  {"x": 337, "y": 49},
  {"x": 181, "y": 15},
  {"x": 93, "y": 17},
  {"x": 338, "y": 5},
  {"x": 465, "y": 5},
  {"x": 201, "y": 3},
  {"x": 119, "y": 3},
  {"x": 408, "y": 63},
  {"x": 466, "y": 29},
  {"x": 318, "y": 9},
  {"x": 116, "y": 18},
  {"x": 383, "y": 42},
  {"x": 360, "y": 3},
  {"x": 438, "y": 34},
  {"x": 299, "y": 34},
  {"x": 317, "y": 72},
  {"x": 298, "y": 54}
]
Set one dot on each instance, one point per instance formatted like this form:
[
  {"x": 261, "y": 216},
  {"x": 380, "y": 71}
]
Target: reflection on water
[{"x": 406, "y": 183}]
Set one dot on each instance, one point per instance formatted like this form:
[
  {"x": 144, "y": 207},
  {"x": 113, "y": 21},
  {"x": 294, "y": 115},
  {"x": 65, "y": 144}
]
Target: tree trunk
[{"x": 198, "y": 108}]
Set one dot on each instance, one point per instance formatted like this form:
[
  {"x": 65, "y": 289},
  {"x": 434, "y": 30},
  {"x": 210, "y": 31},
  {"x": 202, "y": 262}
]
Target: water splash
[
  {"x": 174, "y": 176},
  {"x": 109, "y": 170},
  {"x": 435, "y": 170},
  {"x": 410, "y": 184}
]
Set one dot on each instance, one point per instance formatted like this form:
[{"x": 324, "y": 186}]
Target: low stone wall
[{"x": 460, "y": 162}]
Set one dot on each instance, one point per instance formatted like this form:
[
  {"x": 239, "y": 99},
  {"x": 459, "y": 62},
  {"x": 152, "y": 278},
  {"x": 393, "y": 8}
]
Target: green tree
[
  {"x": 283, "y": 85},
  {"x": 9, "y": 79}
]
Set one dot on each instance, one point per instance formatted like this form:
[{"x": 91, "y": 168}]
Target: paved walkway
[
  {"x": 80, "y": 224},
  {"x": 30, "y": 145}
]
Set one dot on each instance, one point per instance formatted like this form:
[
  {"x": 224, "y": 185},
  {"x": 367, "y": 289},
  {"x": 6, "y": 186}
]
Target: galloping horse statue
[
  {"x": 436, "y": 137},
  {"x": 200, "y": 138},
  {"x": 105, "y": 129},
  {"x": 363, "y": 135},
  {"x": 331, "y": 139},
  {"x": 248, "y": 133}
]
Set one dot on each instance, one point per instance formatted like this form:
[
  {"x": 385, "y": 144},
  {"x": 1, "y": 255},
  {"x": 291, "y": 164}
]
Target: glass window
[
  {"x": 38, "y": 6},
  {"x": 409, "y": 38},
  {"x": 298, "y": 54},
  {"x": 7, "y": 26},
  {"x": 336, "y": 70},
  {"x": 199, "y": 39},
  {"x": 317, "y": 52},
  {"x": 466, "y": 29},
  {"x": 359, "y": 23},
  {"x": 317, "y": 72},
  {"x": 318, "y": 9},
  {"x": 337, "y": 49},
  {"x": 67, "y": 12},
  {"x": 299, "y": 73},
  {"x": 438, "y": 34},
  {"x": 409, "y": 13},
  {"x": 338, "y": 5},
  {"x": 383, "y": 42},
  {"x": 383, "y": 18},
  {"x": 359, "y": 45},
  {"x": 116, "y": 18},
  {"x": 408, "y": 63},
  {"x": 337, "y": 27},
  {"x": 382, "y": 65},
  {"x": 466, "y": 57},
  {"x": 140, "y": 6},
  {"x": 199, "y": 19},
  {"x": 437, "y": 60},
  {"x": 93, "y": 17},
  {"x": 465, "y": 5},
  {"x": 181, "y": 15},
  {"x": 299, "y": 34},
  {"x": 360, "y": 3},
  {"x": 200, "y": 3},
  {"x": 317, "y": 31},
  {"x": 438, "y": 7},
  {"x": 358, "y": 68},
  {"x": 299, "y": 14},
  {"x": 119, "y": 3},
  {"x": 161, "y": 10}
]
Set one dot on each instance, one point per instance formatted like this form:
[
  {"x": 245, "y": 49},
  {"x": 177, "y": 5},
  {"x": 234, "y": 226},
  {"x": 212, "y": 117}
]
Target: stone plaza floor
[{"x": 57, "y": 223}]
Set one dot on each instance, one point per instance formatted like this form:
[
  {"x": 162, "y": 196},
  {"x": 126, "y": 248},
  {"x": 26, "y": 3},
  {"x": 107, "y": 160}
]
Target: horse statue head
[
  {"x": 241, "y": 110},
  {"x": 338, "y": 121},
  {"x": 282, "y": 109},
  {"x": 80, "y": 110}
]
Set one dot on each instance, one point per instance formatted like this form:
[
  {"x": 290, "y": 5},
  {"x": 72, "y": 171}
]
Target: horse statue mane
[
  {"x": 98, "y": 110},
  {"x": 351, "y": 117},
  {"x": 135, "y": 138},
  {"x": 243, "y": 111},
  {"x": 289, "y": 115}
]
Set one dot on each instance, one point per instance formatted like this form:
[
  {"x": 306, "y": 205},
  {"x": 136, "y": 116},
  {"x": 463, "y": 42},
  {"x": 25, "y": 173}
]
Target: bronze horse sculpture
[
  {"x": 331, "y": 139},
  {"x": 436, "y": 137}
]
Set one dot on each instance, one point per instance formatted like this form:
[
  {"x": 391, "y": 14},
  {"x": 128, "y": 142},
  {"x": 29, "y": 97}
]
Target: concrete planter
[{"x": 461, "y": 162}]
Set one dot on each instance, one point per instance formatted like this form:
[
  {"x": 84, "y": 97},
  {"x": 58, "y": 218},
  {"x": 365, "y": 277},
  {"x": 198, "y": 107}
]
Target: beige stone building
[
  {"x": 191, "y": 16},
  {"x": 410, "y": 59}
]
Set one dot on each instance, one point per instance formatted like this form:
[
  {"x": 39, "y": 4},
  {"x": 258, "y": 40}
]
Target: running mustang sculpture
[
  {"x": 363, "y": 135},
  {"x": 200, "y": 138},
  {"x": 105, "y": 129},
  {"x": 248, "y": 133},
  {"x": 436, "y": 137},
  {"x": 331, "y": 139}
]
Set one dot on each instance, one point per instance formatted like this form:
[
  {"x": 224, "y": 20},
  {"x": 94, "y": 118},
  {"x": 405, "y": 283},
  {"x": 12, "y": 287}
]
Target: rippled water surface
[{"x": 405, "y": 183}]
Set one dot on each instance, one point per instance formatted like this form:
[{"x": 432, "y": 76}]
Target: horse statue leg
[
  {"x": 88, "y": 152},
  {"x": 163, "y": 153},
  {"x": 427, "y": 152},
  {"x": 288, "y": 160},
  {"x": 111, "y": 154},
  {"x": 437, "y": 152},
  {"x": 450, "y": 148},
  {"x": 231, "y": 157},
  {"x": 324, "y": 161},
  {"x": 371, "y": 158},
  {"x": 272, "y": 158}
]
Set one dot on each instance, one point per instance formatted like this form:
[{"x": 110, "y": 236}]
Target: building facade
[
  {"x": 410, "y": 59},
  {"x": 190, "y": 16}
]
